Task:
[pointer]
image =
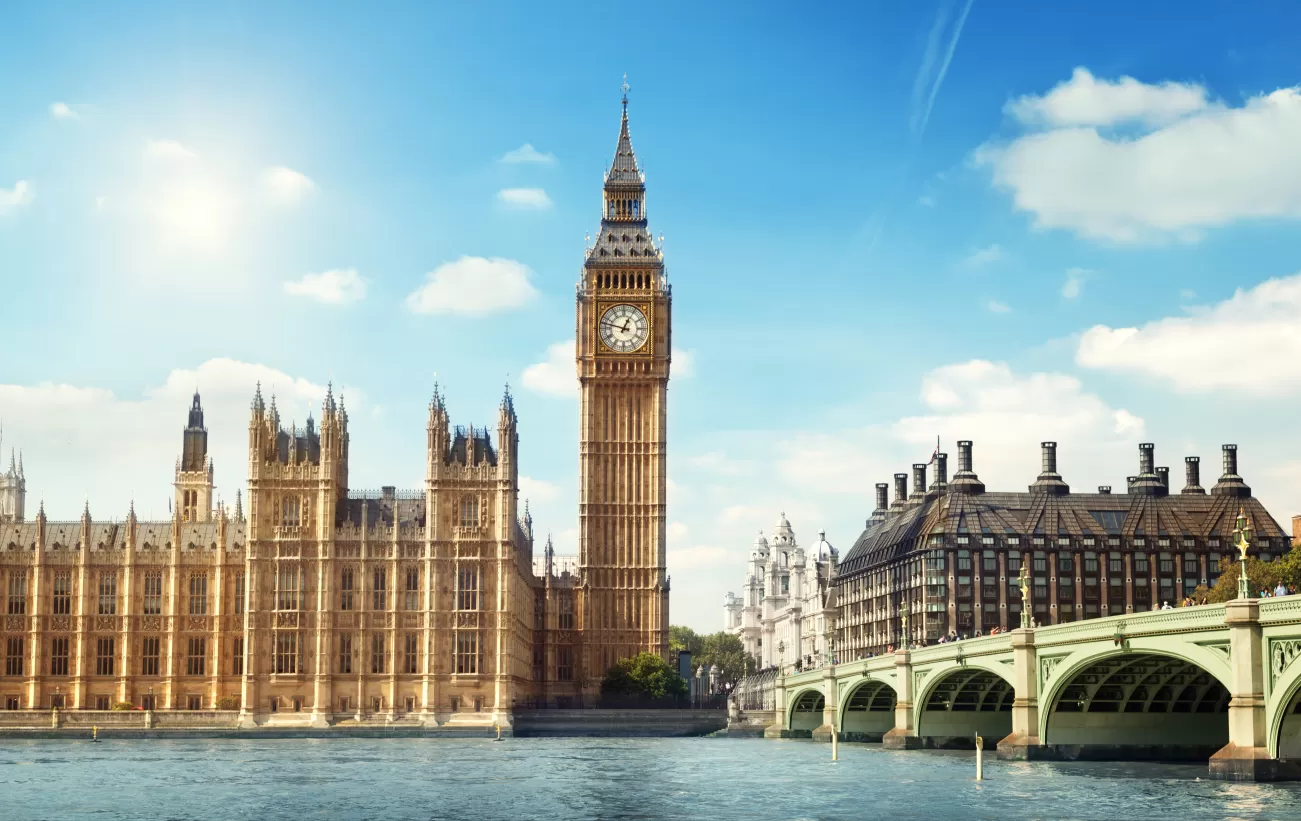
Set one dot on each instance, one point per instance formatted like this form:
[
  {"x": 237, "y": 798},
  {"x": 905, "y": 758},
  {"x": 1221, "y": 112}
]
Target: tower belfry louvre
[
  {"x": 623, "y": 354},
  {"x": 313, "y": 602}
]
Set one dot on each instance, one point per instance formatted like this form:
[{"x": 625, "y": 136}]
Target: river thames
[{"x": 707, "y": 778}]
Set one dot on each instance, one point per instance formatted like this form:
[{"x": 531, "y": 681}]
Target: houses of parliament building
[{"x": 311, "y": 602}]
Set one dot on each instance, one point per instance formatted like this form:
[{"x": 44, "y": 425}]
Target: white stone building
[{"x": 778, "y": 616}]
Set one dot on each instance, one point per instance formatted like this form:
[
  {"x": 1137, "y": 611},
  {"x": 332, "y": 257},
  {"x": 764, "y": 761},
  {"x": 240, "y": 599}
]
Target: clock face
[{"x": 624, "y": 328}]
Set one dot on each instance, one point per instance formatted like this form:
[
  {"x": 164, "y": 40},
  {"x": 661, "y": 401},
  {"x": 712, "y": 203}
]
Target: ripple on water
[{"x": 467, "y": 780}]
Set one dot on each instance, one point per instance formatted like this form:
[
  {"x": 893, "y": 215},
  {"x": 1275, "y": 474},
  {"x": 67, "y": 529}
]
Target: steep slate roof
[{"x": 1148, "y": 512}]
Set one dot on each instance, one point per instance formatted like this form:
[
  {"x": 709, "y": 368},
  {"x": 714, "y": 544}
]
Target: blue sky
[{"x": 883, "y": 223}]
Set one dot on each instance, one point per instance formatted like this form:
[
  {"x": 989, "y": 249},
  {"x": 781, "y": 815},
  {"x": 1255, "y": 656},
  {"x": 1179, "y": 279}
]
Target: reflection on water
[{"x": 592, "y": 779}]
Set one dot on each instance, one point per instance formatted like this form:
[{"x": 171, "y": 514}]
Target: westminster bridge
[{"x": 1219, "y": 682}]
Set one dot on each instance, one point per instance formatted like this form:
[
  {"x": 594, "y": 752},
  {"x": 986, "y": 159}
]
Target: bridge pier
[
  {"x": 829, "y": 705},
  {"x": 904, "y": 735},
  {"x": 1023, "y": 743},
  {"x": 1246, "y": 757}
]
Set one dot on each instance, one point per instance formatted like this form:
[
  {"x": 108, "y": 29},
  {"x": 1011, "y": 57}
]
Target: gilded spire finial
[{"x": 625, "y": 88}]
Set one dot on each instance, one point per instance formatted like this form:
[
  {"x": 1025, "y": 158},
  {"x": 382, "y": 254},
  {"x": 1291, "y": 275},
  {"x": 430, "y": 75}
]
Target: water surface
[{"x": 705, "y": 778}]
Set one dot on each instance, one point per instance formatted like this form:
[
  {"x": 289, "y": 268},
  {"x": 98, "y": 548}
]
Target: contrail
[{"x": 919, "y": 123}]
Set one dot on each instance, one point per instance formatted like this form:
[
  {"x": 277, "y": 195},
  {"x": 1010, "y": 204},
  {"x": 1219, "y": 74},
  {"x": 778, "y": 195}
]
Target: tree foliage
[
  {"x": 1261, "y": 576},
  {"x": 684, "y": 638},
  {"x": 721, "y": 648},
  {"x": 645, "y": 675}
]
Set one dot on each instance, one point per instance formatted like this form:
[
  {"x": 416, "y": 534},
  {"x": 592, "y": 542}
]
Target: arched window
[{"x": 470, "y": 511}]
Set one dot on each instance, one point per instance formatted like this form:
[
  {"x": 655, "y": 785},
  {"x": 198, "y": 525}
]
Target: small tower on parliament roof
[
  {"x": 194, "y": 469},
  {"x": 13, "y": 486}
]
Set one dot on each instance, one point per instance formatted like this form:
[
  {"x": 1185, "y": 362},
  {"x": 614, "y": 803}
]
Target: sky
[{"x": 884, "y": 223}]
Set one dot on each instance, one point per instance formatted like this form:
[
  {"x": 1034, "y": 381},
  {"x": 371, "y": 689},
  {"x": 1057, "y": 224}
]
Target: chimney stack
[
  {"x": 900, "y": 492},
  {"x": 919, "y": 483},
  {"x": 1231, "y": 484},
  {"x": 1105, "y": 490},
  {"x": 1050, "y": 481},
  {"x": 1164, "y": 475},
  {"x": 965, "y": 480},
  {"x": 882, "y": 502},
  {"x": 1147, "y": 483},
  {"x": 1193, "y": 475},
  {"x": 941, "y": 472}
]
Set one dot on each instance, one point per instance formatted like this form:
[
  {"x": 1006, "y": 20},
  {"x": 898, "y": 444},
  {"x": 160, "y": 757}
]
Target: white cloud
[
  {"x": 12, "y": 198},
  {"x": 526, "y": 153},
  {"x": 335, "y": 287},
  {"x": 474, "y": 286},
  {"x": 926, "y": 201},
  {"x": 167, "y": 150},
  {"x": 1250, "y": 342},
  {"x": 1187, "y": 294},
  {"x": 1214, "y": 166},
  {"x": 982, "y": 257},
  {"x": 63, "y": 111},
  {"x": 684, "y": 364},
  {"x": 996, "y": 307},
  {"x": 287, "y": 186},
  {"x": 524, "y": 199},
  {"x": 81, "y": 441},
  {"x": 1073, "y": 287},
  {"x": 1086, "y": 101},
  {"x": 823, "y": 475},
  {"x": 537, "y": 490},
  {"x": 555, "y": 375}
]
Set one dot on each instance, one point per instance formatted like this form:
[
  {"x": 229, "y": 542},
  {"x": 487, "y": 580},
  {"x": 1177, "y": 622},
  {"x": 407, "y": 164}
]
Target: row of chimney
[{"x": 1150, "y": 481}]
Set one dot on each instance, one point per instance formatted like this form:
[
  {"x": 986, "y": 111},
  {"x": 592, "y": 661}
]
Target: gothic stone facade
[{"x": 324, "y": 602}]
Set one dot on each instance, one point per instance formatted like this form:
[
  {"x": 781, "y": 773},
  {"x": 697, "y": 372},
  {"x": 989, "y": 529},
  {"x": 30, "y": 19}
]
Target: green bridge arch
[
  {"x": 867, "y": 709},
  {"x": 962, "y": 699},
  {"x": 805, "y": 713},
  {"x": 1161, "y": 701}
]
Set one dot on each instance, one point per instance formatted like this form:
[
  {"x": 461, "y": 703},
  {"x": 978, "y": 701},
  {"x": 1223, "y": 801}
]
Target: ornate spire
[
  {"x": 329, "y": 397},
  {"x": 257, "y": 398},
  {"x": 436, "y": 402},
  {"x": 623, "y": 170},
  {"x": 507, "y": 402},
  {"x": 239, "y": 506},
  {"x": 20, "y": 464}
]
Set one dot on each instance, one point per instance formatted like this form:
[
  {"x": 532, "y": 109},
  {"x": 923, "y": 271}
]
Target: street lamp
[{"x": 1243, "y": 535}]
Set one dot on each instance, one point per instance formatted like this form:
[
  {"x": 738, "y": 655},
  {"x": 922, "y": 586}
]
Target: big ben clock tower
[{"x": 623, "y": 347}]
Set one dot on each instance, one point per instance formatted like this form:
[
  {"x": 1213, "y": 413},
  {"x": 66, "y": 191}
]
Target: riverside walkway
[{"x": 1215, "y": 682}]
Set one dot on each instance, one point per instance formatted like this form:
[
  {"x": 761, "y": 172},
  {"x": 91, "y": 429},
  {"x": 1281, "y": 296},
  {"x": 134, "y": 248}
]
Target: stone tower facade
[
  {"x": 194, "y": 470},
  {"x": 623, "y": 349},
  {"x": 13, "y": 488}
]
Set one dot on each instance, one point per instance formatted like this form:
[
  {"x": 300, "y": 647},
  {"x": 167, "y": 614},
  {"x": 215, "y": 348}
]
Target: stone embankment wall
[{"x": 617, "y": 723}]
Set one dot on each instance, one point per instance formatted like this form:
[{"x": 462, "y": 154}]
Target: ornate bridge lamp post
[
  {"x": 1243, "y": 535},
  {"x": 903, "y": 623},
  {"x": 1023, "y": 581}
]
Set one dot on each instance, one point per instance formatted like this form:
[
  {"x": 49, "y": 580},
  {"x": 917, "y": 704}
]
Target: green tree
[
  {"x": 683, "y": 638},
  {"x": 1260, "y": 576},
  {"x": 726, "y": 651},
  {"x": 645, "y": 675}
]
